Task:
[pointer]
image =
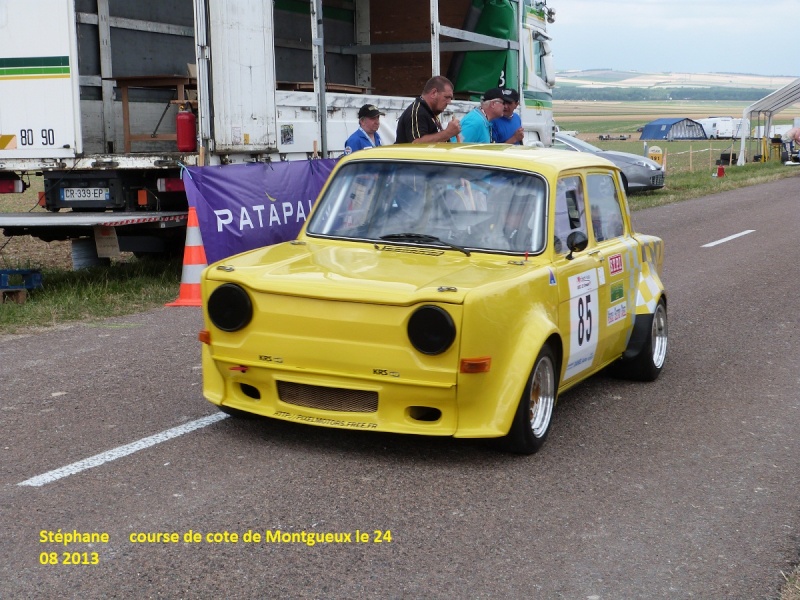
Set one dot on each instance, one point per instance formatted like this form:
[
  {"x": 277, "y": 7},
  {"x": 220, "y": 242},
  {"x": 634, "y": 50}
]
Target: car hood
[
  {"x": 379, "y": 273},
  {"x": 628, "y": 158}
]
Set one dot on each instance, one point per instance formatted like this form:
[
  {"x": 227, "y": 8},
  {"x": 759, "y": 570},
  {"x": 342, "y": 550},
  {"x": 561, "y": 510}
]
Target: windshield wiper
[{"x": 424, "y": 238}]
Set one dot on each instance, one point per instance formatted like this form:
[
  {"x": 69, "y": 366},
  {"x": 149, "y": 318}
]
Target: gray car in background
[{"x": 639, "y": 173}]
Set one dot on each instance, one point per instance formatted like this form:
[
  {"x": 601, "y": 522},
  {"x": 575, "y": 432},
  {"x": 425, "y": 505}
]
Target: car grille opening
[
  {"x": 657, "y": 179},
  {"x": 326, "y": 398}
]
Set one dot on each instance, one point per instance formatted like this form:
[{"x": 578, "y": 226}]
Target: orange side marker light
[{"x": 481, "y": 364}]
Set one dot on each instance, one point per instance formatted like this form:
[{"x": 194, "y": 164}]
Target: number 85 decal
[{"x": 584, "y": 319}]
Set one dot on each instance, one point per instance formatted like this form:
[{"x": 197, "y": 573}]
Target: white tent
[{"x": 768, "y": 106}]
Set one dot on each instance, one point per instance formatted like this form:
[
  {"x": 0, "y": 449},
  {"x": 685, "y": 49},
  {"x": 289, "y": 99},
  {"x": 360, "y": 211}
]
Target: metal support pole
[
  {"x": 318, "y": 57},
  {"x": 435, "y": 30}
]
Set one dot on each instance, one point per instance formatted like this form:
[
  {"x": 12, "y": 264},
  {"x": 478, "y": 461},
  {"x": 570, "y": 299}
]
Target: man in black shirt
[{"x": 420, "y": 121}]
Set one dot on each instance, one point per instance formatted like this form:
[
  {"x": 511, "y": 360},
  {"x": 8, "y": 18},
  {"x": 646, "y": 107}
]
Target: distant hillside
[
  {"x": 608, "y": 78},
  {"x": 631, "y": 86}
]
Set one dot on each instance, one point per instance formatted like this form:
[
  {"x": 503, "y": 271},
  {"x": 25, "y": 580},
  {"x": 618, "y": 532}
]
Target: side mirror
[{"x": 576, "y": 242}]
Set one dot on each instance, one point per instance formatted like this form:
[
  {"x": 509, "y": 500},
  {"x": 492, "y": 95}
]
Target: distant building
[{"x": 673, "y": 129}]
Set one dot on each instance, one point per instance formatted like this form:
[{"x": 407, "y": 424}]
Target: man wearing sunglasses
[
  {"x": 508, "y": 128},
  {"x": 476, "y": 126}
]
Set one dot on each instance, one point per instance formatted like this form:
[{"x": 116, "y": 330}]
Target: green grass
[
  {"x": 683, "y": 185},
  {"x": 683, "y": 155},
  {"x": 94, "y": 293},
  {"x": 598, "y": 127}
]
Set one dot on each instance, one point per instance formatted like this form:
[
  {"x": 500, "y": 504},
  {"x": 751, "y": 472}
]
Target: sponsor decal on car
[
  {"x": 615, "y": 264},
  {"x": 617, "y": 291},
  {"x": 282, "y": 414},
  {"x": 617, "y": 313}
]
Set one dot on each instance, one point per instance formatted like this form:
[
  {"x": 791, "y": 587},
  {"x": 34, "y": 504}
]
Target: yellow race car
[{"x": 447, "y": 289}]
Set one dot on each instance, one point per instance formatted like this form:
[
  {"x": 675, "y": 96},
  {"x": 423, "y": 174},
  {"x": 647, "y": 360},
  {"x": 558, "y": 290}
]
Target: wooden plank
[{"x": 17, "y": 296}]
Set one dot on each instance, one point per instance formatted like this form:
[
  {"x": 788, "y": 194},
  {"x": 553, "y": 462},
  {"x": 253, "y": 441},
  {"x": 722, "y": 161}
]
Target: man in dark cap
[
  {"x": 476, "y": 127},
  {"x": 366, "y": 136},
  {"x": 508, "y": 128}
]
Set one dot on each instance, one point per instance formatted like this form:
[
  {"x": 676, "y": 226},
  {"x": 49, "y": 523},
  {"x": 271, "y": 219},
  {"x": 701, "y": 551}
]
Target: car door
[
  {"x": 581, "y": 283},
  {"x": 615, "y": 250}
]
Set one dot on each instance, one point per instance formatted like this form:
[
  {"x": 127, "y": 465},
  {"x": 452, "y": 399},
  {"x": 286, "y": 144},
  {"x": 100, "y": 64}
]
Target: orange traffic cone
[{"x": 194, "y": 261}]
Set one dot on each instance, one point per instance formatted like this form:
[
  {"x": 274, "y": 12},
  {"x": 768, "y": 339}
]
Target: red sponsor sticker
[{"x": 615, "y": 264}]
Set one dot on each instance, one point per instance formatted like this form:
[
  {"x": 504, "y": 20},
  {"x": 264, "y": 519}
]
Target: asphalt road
[{"x": 684, "y": 488}]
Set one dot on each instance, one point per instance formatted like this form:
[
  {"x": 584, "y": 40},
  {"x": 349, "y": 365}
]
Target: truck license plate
[{"x": 87, "y": 193}]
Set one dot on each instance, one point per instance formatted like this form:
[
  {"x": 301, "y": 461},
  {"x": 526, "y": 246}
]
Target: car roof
[{"x": 547, "y": 161}]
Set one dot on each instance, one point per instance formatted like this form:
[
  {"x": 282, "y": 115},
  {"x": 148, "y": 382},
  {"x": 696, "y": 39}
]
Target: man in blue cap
[{"x": 366, "y": 136}]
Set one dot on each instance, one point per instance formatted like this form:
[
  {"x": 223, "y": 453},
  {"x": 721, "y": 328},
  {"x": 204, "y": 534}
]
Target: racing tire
[
  {"x": 535, "y": 410},
  {"x": 648, "y": 364}
]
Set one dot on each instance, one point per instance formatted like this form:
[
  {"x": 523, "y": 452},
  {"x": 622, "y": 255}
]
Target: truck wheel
[{"x": 535, "y": 411}]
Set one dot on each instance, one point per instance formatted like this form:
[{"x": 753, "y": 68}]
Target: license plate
[{"x": 85, "y": 193}]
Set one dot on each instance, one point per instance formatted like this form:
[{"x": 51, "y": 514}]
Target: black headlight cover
[
  {"x": 431, "y": 330},
  {"x": 229, "y": 307}
]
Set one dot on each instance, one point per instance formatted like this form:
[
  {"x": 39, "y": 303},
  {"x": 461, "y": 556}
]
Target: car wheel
[
  {"x": 625, "y": 184},
  {"x": 649, "y": 363},
  {"x": 535, "y": 411}
]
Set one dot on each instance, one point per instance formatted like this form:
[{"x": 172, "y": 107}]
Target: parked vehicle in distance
[
  {"x": 721, "y": 127},
  {"x": 449, "y": 290},
  {"x": 639, "y": 173}
]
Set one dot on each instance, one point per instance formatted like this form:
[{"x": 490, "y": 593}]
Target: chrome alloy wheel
[
  {"x": 659, "y": 336},
  {"x": 542, "y": 398}
]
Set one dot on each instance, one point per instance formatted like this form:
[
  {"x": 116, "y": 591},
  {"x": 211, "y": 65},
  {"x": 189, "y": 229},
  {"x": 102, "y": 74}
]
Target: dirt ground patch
[{"x": 26, "y": 252}]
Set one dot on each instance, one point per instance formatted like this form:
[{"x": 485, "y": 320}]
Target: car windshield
[
  {"x": 576, "y": 144},
  {"x": 460, "y": 206}
]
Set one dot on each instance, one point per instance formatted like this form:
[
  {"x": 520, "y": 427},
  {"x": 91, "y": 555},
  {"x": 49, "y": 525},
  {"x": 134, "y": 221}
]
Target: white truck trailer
[{"x": 108, "y": 99}]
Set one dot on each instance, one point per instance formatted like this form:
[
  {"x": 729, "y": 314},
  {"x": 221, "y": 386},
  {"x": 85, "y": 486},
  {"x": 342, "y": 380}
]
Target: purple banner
[{"x": 245, "y": 206}]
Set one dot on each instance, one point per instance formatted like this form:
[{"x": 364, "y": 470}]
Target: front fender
[{"x": 487, "y": 402}]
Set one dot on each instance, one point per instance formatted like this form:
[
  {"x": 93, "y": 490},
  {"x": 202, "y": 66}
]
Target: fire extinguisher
[{"x": 186, "y": 129}]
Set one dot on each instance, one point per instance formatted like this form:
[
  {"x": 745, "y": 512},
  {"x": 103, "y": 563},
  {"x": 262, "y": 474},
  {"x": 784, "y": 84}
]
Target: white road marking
[
  {"x": 104, "y": 457},
  {"x": 728, "y": 239}
]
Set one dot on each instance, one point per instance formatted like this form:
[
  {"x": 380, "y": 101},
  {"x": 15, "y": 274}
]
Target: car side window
[
  {"x": 604, "y": 204},
  {"x": 570, "y": 211}
]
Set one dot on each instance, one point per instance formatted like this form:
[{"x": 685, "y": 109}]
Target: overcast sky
[{"x": 679, "y": 36}]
